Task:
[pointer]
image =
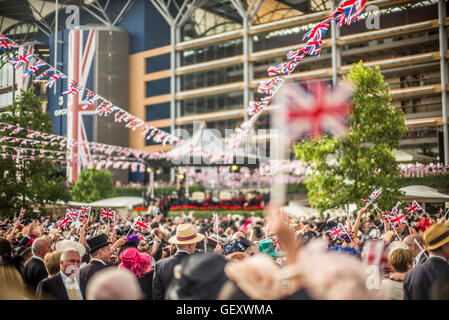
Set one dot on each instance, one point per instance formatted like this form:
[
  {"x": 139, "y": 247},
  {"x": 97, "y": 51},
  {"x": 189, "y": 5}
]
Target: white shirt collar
[
  {"x": 439, "y": 257},
  {"x": 98, "y": 261},
  {"x": 38, "y": 258},
  {"x": 68, "y": 281}
]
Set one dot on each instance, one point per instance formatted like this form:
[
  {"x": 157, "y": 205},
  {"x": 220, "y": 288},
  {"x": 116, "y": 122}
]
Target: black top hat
[{"x": 97, "y": 242}]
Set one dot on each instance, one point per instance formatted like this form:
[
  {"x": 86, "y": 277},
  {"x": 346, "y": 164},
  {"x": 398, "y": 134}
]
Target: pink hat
[{"x": 135, "y": 261}]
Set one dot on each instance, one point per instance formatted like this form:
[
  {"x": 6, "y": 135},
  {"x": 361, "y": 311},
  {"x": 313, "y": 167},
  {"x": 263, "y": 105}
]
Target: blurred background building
[{"x": 175, "y": 62}]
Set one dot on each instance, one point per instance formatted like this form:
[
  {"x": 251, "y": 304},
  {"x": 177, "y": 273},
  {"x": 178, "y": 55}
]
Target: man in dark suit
[
  {"x": 100, "y": 253},
  {"x": 415, "y": 243},
  {"x": 67, "y": 284},
  {"x": 185, "y": 240},
  {"x": 420, "y": 280},
  {"x": 34, "y": 269}
]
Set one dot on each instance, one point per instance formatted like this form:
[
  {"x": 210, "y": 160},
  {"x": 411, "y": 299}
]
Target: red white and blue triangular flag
[{"x": 21, "y": 60}]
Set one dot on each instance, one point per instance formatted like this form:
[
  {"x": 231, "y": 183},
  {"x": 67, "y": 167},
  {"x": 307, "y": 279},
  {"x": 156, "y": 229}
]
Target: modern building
[{"x": 172, "y": 63}]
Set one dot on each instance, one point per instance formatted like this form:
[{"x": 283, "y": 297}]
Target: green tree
[
  {"x": 93, "y": 185},
  {"x": 24, "y": 182},
  {"x": 350, "y": 167}
]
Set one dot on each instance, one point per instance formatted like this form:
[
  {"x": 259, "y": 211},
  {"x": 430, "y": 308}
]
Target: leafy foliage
[
  {"x": 93, "y": 185},
  {"x": 26, "y": 183},
  {"x": 350, "y": 167}
]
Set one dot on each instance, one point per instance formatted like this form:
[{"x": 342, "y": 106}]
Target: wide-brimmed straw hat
[
  {"x": 186, "y": 234},
  {"x": 436, "y": 236}
]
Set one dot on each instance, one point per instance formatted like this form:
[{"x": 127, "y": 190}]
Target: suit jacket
[
  {"x": 33, "y": 272},
  {"x": 163, "y": 274},
  {"x": 93, "y": 267},
  {"x": 419, "y": 280},
  {"x": 54, "y": 288}
]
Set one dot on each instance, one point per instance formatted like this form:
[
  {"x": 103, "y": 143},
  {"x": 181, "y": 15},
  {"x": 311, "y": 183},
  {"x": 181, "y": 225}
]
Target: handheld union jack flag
[
  {"x": 372, "y": 196},
  {"x": 32, "y": 69},
  {"x": 21, "y": 214},
  {"x": 413, "y": 208},
  {"x": 314, "y": 111},
  {"x": 397, "y": 218},
  {"x": 64, "y": 222},
  {"x": 108, "y": 213},
  {"x": 7, "y": 44},
  {"x": 141, "y": 224},
  {"x": 337, "y": 232},
  {"x": 19, "y": 61}
]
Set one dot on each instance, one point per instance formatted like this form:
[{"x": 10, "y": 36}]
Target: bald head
[
  {"x": 113, "y": 284},
  {"x": 40, "y": 247}
]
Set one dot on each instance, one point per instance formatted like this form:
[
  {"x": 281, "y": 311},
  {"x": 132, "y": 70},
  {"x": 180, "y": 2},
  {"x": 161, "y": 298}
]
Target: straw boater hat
[
  {"x": 436, "y": 236},
  {"x": 186, "y": 234}
]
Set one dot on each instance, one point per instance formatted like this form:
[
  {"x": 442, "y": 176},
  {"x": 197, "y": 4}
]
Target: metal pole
[
  {"x": 443, "y": 70},
  {"x": 245, "y": 66},
  {"x": 56, "y": 40},
  {"x": 335, "y": 32},
  {"x": 172, "y": 86},
  {"x": 13, "y": 85}
]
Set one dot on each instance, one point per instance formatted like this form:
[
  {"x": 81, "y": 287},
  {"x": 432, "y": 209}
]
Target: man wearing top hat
[
  {"x": 185, "y": 240},
  {"x": 420, "y": 280},
  {"x": 100, "y": 253}
]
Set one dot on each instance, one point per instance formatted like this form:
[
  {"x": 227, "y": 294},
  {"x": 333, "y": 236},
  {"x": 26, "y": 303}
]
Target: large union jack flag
[
  {"x": 81, "y": 52},
  {"x": 316, "y": 110}
]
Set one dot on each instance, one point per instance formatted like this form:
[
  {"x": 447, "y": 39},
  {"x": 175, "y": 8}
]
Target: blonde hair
[
  {"x": 11, "y": 284},
  {"x": 51, "y": 261},
  {"x": 237, "y": 256},
  {"x": 400, "y": 259}
]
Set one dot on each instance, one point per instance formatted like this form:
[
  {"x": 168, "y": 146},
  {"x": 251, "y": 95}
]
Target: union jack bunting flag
[
  {"x": 318, "y": 31},
  {"x": 313, "y": 47},
  {"x": 282, "y": 68},
  {"x": 74, "y": 88},
  {"x": 55, "y": 76},
  {"x": 266, "y": 89},
  {"x": 313, "y": 109},
  {"x": 7, "y": 44},
  {"x": 44, "y": 74},
  {"x": 19, "y": 61},
  {"x": 90, "y": 99},
  {"x": 296, "y": 55},
  {"x": 254, "y": 107},
  {"x": 32, "y": 69}
]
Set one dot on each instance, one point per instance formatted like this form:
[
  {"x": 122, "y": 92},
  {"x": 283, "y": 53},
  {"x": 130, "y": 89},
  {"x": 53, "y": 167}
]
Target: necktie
[{"x": 72, "y": 291}]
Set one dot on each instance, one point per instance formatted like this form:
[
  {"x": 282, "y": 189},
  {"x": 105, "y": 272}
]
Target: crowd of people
[{"x": 230, "y": 257}]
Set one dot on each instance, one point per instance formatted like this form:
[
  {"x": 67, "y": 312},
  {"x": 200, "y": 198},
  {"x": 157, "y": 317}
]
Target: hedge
[
  {"x": 137, "y": 191},
  {"x": 206, "y": 214}
]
